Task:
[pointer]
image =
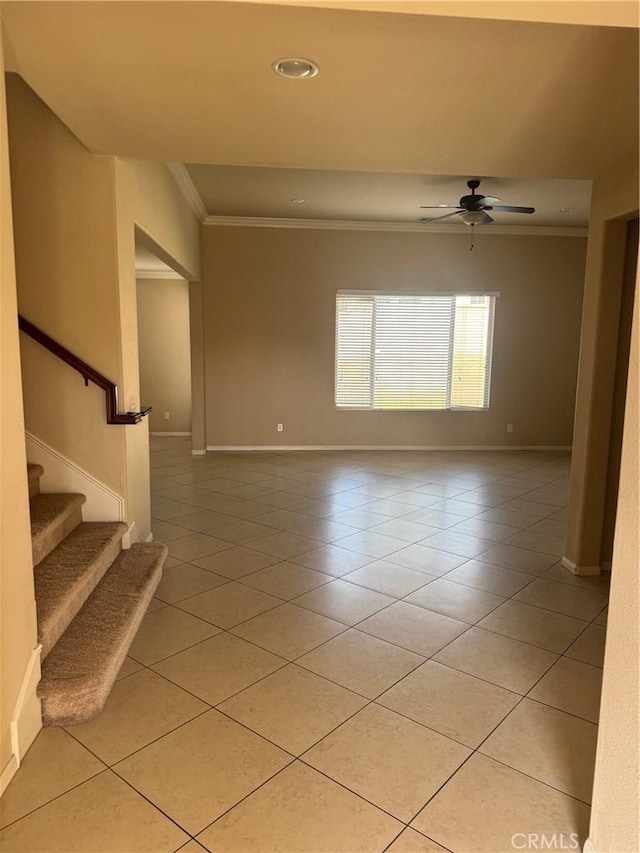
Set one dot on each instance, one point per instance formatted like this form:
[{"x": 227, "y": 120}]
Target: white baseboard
[
  {"x": 26, "y": 720},
  {"x": 198, "y": 452},
  {"x": 8, "y": 773},
  {"x": 63, "y": 475},
  {"x": 169, "y": 433},
  {"x": 381, "y": 447},
  {"x": 581, "y": 571},
  {"x": 130, "y": 536}
]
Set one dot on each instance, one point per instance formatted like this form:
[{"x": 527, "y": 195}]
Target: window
[{"x": 413, "y": 351}]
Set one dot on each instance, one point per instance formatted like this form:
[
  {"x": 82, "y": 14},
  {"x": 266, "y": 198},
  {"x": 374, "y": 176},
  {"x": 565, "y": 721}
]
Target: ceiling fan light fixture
[
  {"x": 295, "y": 68},
  {"x": 475, "y": 217}
]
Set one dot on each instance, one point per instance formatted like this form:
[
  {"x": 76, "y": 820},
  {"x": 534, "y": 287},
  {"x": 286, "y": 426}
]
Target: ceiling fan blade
[
  {"x": 489, "y": 199},
  {"x": 440, "y": 207},
  {"x": 503, "y": 208},
  {"x": 438, "y": 218}
]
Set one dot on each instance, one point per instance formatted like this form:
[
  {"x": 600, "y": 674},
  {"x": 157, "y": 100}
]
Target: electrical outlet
[
  {"x": 280, "y": 427},
  {"x": 166, "y": 416},
  {"x": 509, "y": 427}
]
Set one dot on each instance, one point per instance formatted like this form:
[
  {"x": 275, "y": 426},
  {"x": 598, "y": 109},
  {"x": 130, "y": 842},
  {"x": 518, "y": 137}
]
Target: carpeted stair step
[
  {"x": 79, "y": 672},
  {"x": 34, "y": 472},
  {"x": 52, "y": 518},
  {"x": 69, "y": 574}
]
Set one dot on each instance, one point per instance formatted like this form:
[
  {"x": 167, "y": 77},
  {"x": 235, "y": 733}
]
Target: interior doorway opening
[
  {"x": 164, "y": 343},
  {"x": 164, "y": 339},
  {"x": 171, "y": 350}
]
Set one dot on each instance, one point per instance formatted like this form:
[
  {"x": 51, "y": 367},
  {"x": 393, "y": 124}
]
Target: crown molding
[
  {"x": 189, "y": 191},
  {"x": 417, "y": 227},
  {"x": 151, "y": 273}
]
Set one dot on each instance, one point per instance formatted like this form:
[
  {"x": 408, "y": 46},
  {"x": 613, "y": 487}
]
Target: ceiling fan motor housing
[{"x": 472, "y": 202}]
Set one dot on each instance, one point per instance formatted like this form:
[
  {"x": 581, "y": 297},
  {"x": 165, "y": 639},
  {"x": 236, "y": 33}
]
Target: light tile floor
[{"x": 349, "y": 651}]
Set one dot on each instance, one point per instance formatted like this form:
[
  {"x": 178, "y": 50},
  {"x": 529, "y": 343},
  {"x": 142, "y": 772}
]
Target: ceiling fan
[{"x": 473, "y": 208}]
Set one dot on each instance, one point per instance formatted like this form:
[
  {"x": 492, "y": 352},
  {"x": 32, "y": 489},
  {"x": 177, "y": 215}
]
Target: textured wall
[
  {"x": 165, "y": 359},
  {"x": 269, "y": 313}
]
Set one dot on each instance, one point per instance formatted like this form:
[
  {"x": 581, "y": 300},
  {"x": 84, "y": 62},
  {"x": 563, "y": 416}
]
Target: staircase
[{"x": 90, "y": 598}]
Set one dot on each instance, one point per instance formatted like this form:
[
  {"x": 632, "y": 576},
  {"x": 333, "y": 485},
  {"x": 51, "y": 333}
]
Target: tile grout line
[{"x": 354, "y": 627}]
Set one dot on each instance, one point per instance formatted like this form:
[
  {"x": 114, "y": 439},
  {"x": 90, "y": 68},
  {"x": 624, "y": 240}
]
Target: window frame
[{"x": 492, "y": 294}]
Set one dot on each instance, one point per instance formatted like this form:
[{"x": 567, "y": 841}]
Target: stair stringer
[{"x": 61, "y": 474}]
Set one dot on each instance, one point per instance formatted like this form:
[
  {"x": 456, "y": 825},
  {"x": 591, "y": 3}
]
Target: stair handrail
[{"x": 87, "y": 372}]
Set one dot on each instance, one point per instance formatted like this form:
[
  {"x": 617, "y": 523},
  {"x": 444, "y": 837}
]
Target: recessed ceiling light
[
  {"x": 298, "y": 200},
  {"x": 295, "y": 68}
]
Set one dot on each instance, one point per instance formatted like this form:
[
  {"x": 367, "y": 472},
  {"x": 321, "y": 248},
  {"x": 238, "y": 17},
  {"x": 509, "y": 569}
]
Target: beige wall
[
  {"x": 76, "y": 215},
  {"x": 18, "y": 613},
  {"x": 619, "y": 395},
  {"x": 614, "y": 201},
  {"x": 615, "y": 814},
  {"x": 66, "y": 257},
  {"x": 164, "y": 348},
  {"x": 269, "y": 313},
  {"x": 148, "y": 202},
  {"x": 198, "y": 399},
  {"x": 74, "y": 218}
]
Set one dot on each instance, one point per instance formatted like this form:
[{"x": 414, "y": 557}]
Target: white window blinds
[{"x": 413, "y": 351}]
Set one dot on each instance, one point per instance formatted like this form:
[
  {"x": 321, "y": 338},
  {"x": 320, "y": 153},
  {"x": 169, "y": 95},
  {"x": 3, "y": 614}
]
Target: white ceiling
[
  {"x": 396, "y": 93},
  {"x": 597, "y": 13},
  {"x": 405, "y": 109},
  {"x": 378, "y": 197}
]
